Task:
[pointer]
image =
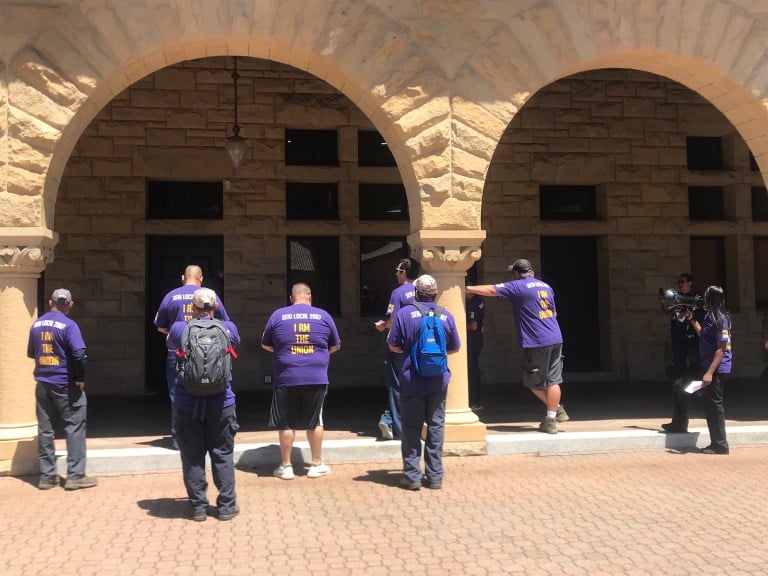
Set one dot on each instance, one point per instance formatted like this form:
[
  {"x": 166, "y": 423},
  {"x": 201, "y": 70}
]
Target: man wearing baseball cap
[
  {"x": 56, "y": 345},
  {"x": 533, "y": 302}
]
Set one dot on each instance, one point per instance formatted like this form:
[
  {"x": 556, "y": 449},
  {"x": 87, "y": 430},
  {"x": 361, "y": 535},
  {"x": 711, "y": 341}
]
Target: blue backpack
[{"x": 429, "y": 354}]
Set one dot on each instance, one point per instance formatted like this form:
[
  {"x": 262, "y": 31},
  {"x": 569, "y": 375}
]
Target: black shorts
[
  {"x": 297, "y": 407},
  {"x": 542, "y": 367}
]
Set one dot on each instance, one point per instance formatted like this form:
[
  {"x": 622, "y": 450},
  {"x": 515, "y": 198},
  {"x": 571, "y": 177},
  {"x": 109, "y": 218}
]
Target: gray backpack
[{"x": 204, "y": 360}]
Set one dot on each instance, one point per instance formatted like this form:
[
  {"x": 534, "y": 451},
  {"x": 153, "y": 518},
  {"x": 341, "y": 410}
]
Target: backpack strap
[{"x": 420, "y": 308}]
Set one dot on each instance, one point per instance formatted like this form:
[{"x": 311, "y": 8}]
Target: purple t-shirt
[
  {"x": 53, "y": 338},
  {"x": 404, "y": 332},
  {"x": 301, "y": 337},
  {"x": 535, "y": 313},
  {"x": 182, "y": 399},
  {"x": 710, "y": 336},
  {"x": 401, "y": 297},
  {"x": 177, "y": 307}
]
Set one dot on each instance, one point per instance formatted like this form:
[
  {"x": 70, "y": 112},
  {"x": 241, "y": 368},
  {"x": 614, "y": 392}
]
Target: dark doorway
[
  {"x": 569, "y": 265},
  {"x": 167, "y": 256}
]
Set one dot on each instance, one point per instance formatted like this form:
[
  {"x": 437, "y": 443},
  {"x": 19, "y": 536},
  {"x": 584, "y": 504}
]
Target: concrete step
[{"x": 266, "y": 454}]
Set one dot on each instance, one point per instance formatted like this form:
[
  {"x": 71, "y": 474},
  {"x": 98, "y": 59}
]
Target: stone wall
[{"x": 621, "y": 130}]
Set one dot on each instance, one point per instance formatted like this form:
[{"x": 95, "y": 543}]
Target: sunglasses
[{"x": 398, "y": 270}]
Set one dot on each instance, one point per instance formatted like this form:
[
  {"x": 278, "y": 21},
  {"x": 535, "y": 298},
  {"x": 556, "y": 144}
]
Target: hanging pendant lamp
[{"x": 236, "y": 147}]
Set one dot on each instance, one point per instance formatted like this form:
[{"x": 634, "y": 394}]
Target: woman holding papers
[{"x": 715, "y": 357}]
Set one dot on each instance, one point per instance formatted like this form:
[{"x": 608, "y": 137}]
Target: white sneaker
[
  {"x": 386, "y": 431},
  {"x": 317, "y": 470},
  {"x": 284, "y": 471}
]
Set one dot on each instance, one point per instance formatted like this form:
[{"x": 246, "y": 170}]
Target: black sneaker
[
  {"x": 715, "y": 450},
  {"x": 431, "y": 485},
  {"x": 199, "y": 515},
  {"x": 670, "y": 428},
  {"x": 48, "y": 482},
  {"x": 406, "y": 484},
  {"x": 224, "y": 516}
]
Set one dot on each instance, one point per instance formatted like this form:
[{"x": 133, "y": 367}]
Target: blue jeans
[
  {"x": 172, "y": 376},
  {"x": 391, "y": 416},
  {"x": 213, "y": 433},
  {"x": 71, "y": 406},
  {"x": 417, "y": 410}
]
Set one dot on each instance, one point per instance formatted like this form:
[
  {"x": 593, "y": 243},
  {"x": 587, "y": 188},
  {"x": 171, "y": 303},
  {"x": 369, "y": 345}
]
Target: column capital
[
  {"x": 26, "y": 251},
  {"x": 453, "y": 251}
]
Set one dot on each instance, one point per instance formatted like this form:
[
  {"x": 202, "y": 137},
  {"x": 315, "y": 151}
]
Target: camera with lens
[{"x": 672, "y": 297}]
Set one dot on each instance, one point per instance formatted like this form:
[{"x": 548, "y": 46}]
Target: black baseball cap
[{"x": 520, "y": 265}]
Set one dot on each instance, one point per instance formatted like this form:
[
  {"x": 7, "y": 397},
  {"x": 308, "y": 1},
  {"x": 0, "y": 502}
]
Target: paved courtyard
[{"x": 635, "y": 513}]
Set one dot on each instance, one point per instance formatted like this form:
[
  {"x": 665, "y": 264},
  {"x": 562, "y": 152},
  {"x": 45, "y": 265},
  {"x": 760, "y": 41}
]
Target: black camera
[{"x": 673, "y": 298}]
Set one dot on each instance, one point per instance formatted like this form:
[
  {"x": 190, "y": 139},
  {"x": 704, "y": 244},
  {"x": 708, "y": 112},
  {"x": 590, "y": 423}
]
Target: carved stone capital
[
  {"x": 24, "y": 259},
  {"x": 447, "y": 251}
]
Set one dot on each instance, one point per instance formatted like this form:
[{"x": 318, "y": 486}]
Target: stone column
[
  {"x": 447, "y": 255},
  {"x": 22, "y": 259}
]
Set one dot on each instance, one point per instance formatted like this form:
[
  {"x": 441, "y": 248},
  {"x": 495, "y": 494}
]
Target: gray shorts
[{"x": 542, "y": 367}]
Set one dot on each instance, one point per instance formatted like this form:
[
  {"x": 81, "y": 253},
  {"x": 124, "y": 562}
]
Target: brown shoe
[
  {"x": 82, "y": 482},
  {"x": 48, "y": 482},
  {"x": 548, "y": 426}
]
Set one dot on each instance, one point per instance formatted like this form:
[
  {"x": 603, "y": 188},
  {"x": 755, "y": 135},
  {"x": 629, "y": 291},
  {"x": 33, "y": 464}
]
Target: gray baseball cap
[
  {"x": 61, "y": 296},
  {"x": 204, "y": 298}
]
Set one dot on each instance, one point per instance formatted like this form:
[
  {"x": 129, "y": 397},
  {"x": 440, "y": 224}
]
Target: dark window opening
[
  {"x": 705, "y": 203},
  {"x": 382, "y": 202},
  {"x": 311, "y": 148},
  {"x": 178, "y": 200},
  {"x": 704, "y": 153},
  {"x": 372, "y": 150},
  {"x": 314, "y": 260},
  {"x": 311, "y": 201},
  {"x": 708, "y": 262},
  {"x": 378, "y": 259},
  {"x": 759, "y": 203},
  {"x": 565, "y": 202},
  {"x": 753, "y": 163}
]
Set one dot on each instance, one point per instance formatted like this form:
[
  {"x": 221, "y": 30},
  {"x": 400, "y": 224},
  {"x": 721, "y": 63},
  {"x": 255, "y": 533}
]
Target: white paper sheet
[{"x": 693, "y": 386}]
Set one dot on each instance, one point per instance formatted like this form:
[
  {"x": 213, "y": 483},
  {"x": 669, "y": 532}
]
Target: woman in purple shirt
[{"x": 715, "y": 356}]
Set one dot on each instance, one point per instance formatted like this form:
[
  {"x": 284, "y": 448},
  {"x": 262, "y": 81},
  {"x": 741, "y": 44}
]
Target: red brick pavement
[{"x": 630, "y": 513}]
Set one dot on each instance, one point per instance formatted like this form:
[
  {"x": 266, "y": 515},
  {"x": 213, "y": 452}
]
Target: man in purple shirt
[
  {"x": 539, "y": 334},
  {"x": 59, "y": 352},
  {"x": 206, "y": 425},
  {"x": 422, "y": 399},
  {"x": 301, "y": 338},
  {"x": 176, "y": 306},
  {"x": 406, "y": 271}
]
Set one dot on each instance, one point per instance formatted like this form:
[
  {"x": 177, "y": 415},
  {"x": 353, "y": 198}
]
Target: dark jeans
[
  {"x": 391, "y": 416},
  {"x": 70, "y": 405},
  {"x": 417, "y": 410},
  {"x": 712, "y": 397},
  {"x": 213, "y": 433},
  {"x": 473, "y": 372},
  {"x": 685, "y": 358},
  {"x": 172, "y": 377}
]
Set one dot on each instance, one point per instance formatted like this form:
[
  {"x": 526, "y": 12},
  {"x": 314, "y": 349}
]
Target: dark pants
[
  {"x": 712, "y": 397},
  {"x": 473, "y": 371},
  {"x": 391, "y": 416},
  {"x": 685, "y": 358},
  {"x": 70, "y": 405},
  {"x": 417, "y": 410},
  {"x": 211, "y": 432},
  {"x": 172, "y": 377}
]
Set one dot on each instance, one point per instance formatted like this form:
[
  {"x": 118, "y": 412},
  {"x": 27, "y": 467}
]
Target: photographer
[
  {"x": 685, "y": 341},
  {"x": 714, "y": 333}
]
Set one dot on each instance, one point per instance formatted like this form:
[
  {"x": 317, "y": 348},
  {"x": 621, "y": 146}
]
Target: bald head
[
  {"x": 193, "y": 274},
  {"x": 301, "y": 294}
]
